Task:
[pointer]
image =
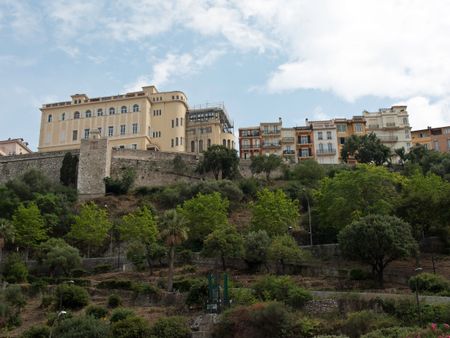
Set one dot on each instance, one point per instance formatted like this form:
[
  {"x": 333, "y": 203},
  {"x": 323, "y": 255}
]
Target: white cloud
[
  {"x": 424, "y": 113},
  {"x": 23, "y": 20},
  {"x": 174, "y": 66}
]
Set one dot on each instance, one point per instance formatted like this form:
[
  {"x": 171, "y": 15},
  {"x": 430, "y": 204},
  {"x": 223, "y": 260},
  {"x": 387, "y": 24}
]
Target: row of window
[
  {"x": 157, "y": 112},
  {"x": 176, "y": 142},
  {"x": 320, "y": 135},
  {"x": 204, "y": 130},
  {"x": 177, "y": 122},
  {"x": 88, "y": 113},
  {"x": 123, "y": 131},
  {"x": 132, "y": 146},
  {"x": 174, "y": 97},
  {"x": 156, "y": 134}
]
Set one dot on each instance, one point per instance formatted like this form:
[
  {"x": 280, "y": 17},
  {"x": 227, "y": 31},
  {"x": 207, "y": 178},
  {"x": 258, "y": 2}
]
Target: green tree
[
  {"x": 122, "y": 184},
  {"x": 284, "y": 249},
  {"x": 265, "y": 164},
  {"x": 203, "y": 214},
  {"x": 256, "y": 164},
  {"x": 91, "y": 226},
  {"x": 140, "y": 226},
  {"x": 425, "y": 204},
  {"x": 274, "y": 212},
  {"x": 350, "y": 195},
  {"x": 308, "y": 173},
  {"x": 131, "y": 327},
  {"x": 377, "y": 240},
  {"x": 29, "y": 225},
  {"x": 68, "y": 171},
  {"x": 81, "y": 326},
  {"x": 219, "y": 160},
  {"x": 224, "y": 242},
  {"x": 256, "y": 247},
  {"x": 7, "y": 234},
  {"x": 365, "y": 149},
  {"x": 58, "y": 257},
  {"x": 174, "y": 232},
  {"x": 171, "y": 327}
]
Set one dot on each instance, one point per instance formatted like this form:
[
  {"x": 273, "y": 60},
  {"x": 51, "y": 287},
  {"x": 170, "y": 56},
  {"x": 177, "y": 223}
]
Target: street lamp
[
  {"x": 60, "y": 313},
  {"x": 418, "y": 270}
]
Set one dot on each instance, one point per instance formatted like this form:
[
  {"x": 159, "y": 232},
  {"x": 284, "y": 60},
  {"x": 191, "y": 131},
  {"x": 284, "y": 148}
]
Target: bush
[
  {"x": 38, "y": 286},
  {"x": 71, "y": 296},
  {"x": 145, "y": 289},
  {"x": 358, "y": 274},
  {"x": 14, "y": 296},
  {"x": 46, "y": 301},
  {"x": 428, "y": 282},
  {"x": 308, "y": 327},
  {"x": 78, "y": 272},
  {"x": 114, "y": 301},
  {"x": 185, "y": 284},
  {"x": 297, "y": 297},
  {"x": 393, "y": 332},
  {"x": 116, "y": 284},
  {"x": 359, "y": 323},
  {"x": 122, "y": 185},
  {"x": 198, "y": 293},
  {"x": 96, "y": 311},
  {"x": 189, "y": 269},
  {"x": 242, "y": 296},
  {"x": 262, "y": 320},
  {"x": 14, "y": 269},
  {"x": 171, "y": 327},
  {"x": 120, "y": 314},
  {"x": 185, "y": 256},
  {"x": 37, "y": 331},
  {"x": 249, "y": 187},
  {"x": 84, "y": 326},
  {"x": 130, "y": 327},
  {"x": 58, "y": 257},
  {"x": 102, "y": 268}
]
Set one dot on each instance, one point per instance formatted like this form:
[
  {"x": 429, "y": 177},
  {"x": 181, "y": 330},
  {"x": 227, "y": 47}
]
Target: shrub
[
  {"x": 242, "y": 296},
  {"x": 56, "y": 317},
  {"x": 428, "y": 282},
  {"x": 14, "y": 296},
  {"x": 102, "y": 268},
  {"x": 262, "y": 320},
  {"x": 84, "y": 326},
  {"x": 249, "y": 187},
  {"x": 71, "y": 296},
  {"x": 130, "y": 327},
  {"x": 358, "y": 274},
  {"x": 58, "y": 257},
  {"x": 120, "y": 314},
  {"x": 198, "y": 293},
  {"x": 46, "y": 301},
  {"x": 14, "y": 269},
  {"x": 185, "y": 256},
  {"x": 37, "y": 331},
  {"x": 114, "y": 301},
  {"x": 122, "y": 185},
  {"x": 96, "y": 311},
  {"x": 78, "y": 272},
  {"x": 185, "y": 284},
  {"x": 189, "y": 269},
  {"x": 359, "y": 323},
  {"x": 297, "y": 297},
  {"x": 308, "y": 327},
  {"x": 393, "y": 332},
  {"x": 145, "y": 289},
  {"x": 115, "y": 284},
  {"x": 38, "y": 286},
  {"x": 171, "y": 327}
]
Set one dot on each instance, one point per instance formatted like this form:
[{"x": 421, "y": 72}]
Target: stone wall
[{"x": 48, "y": 163}]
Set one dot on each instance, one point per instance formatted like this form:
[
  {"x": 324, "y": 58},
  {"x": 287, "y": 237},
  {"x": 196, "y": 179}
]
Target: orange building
[
  {"x": 348, "y": 127},
  {"x": 305, "y": 143},
  {"x": 433, "y": 138}
]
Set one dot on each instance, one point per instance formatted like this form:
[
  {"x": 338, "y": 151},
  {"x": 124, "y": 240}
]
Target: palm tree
[{"x": 174, "y": 233}]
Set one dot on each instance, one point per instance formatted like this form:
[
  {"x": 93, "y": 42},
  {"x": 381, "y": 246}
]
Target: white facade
[
  {"x": 391, "y": 126},
  {"x": 325, "y": 142}
]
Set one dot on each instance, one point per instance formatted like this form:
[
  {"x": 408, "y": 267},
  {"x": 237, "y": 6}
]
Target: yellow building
[
  {"x": 15, "y": 146},
  {"x": 346, "y": 128},
  {"x": 145, "y": 120}
]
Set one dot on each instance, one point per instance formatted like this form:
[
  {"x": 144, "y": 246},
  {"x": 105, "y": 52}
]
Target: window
[
  {"x": 328, "y": 135},
  {"x": 134, "y": 146},
  {"x": 448, "y": 144},
  {"x": 181, "y": 121},
  {"x": 159, "y": 134},
  {"x": 76, "y": 115},
  {"x": 181, "y": 140},
  {"x": 446, "y": 130},
  {"x": 192, "y": 146},
  {"x": 176, "y": 121},
  {"x": 112, "y": 111},
  {"x": 121, "y": 146},
  {"x": 135, "y": 108},
  {"x": 436, "y": 145},
  {"x": 135, "y": 128},
  {"x": 176, "y": 141},
  {"x": 88, "y": 113},
  {"x": 320, "y": 135},
  {"x": 110, "y": 131},
  {"x": 305, "y": 152},
  {"x": 358, "y": 127},
  {"x": 100, "y": 130},
  {"x": 407, "y": 134},
  {"x": 321, "y": 147},
  {"x": 341, "y": 128},
  {"x": 173, "y": 123},
  {"x": 224, "y": 143},
  {"x": 304, "y": 139},
  {"x": 209, "y": 142},
  {"x": 99, "y": 112},
  {"x": 229, "y": 144},
  {"x": 341, "y": 140},
  {"x": 200, "y": 146},
  {"x": 50, "y": 118},
  {"x": 86, "y": 133},
  {"x": 122, "y": 129},
  {"x": 330, "y": 147},
  {"x": 405, "y": 120},
  {"x": 171, "y": 143},
  {"x": 74, "y": 135},
  {"x": 123, "y": 109},
  {"x": 173, "y": 97},
  {"x": 63, "y": 116}
]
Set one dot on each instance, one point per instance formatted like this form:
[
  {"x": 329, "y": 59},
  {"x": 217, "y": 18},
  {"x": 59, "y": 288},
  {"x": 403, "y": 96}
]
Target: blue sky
[{"x": 265, "y": 59}]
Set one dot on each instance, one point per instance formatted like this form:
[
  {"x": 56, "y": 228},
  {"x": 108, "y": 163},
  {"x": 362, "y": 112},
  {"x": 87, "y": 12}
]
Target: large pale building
[
  {"x": 16, "y": 146},
  {"x": 145, "y": 120},
  {"x": 391, "y": 126},
  {"x": 325, "y": 141}
]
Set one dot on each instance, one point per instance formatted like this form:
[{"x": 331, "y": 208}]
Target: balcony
[
  {"x": 271, "y": 132},
  {"x": 288, "y": 139},
  {"x": 249, "y": 146},
  {"x": 252, "y": 134},
  {"x": 271, "y": 145},
  {"x": 326, "y": 152},
  {"x": 391, "y": 125},
  {"x": 388, "y": 138},
  {"x": 288, "y": 152}
]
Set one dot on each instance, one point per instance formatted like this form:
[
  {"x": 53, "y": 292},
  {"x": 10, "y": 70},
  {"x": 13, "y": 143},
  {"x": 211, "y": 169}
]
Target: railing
[
  {"x": 271, "y": 145},
  {"x": 250, "y": 146},
  {"x": 323, "y": 152},
  {"x": 374, "y": 126},
  {"x": 388, "y": 138},
  {"x": 390, "y": 124},
  {"x": 288, "y": 152},
  {"x": 257, "y": 133},
  {"x": 271, "y": 132},
  {"x": 288, "y": 139}
]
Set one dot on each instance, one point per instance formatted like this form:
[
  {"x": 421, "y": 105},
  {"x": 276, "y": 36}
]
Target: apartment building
[
  {"x": 271, "y": 138},
  {"x": 288, "y": 144},
  {"x": 145, "y": 120},
  {"x": 207, "y": 125},
  {"x": 304, "y": 142},
  {"x": 16, "y": 146},
  {"x": 249, "y": 142},
  {"x": 346, "y": 128},
  {"x": 391, "y": 126},
  {"x": 437, "y": 139},
  {"x": 325, "y": 141}
]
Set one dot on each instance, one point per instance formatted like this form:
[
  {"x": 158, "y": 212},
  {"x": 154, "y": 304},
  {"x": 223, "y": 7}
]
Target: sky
[{"x": 264, "y": 59}]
